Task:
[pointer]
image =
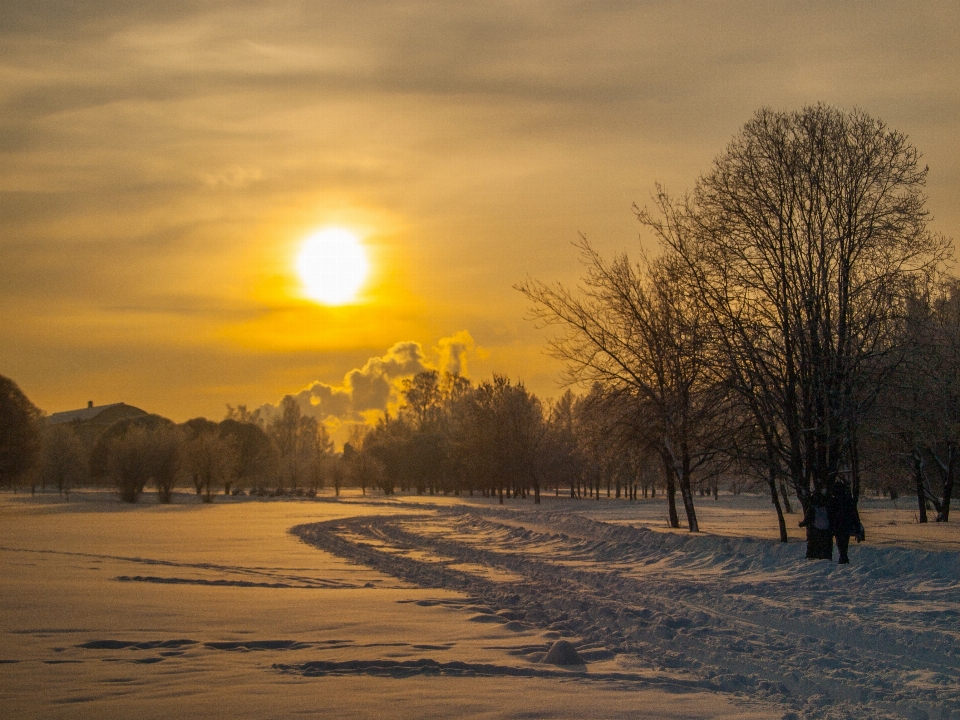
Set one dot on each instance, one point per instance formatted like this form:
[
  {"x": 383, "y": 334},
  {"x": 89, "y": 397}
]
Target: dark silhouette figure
[
  {"x": 844, "y": 518},
  {"x": 819, "y": 532}
]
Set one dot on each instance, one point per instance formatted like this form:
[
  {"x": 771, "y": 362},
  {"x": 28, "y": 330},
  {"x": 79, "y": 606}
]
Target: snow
[{"x": 447, "y": 607}]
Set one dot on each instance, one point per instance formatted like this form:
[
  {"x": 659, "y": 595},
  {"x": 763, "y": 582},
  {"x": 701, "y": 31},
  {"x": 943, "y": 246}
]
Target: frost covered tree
[
  {"x": 195, "y": 431},
  {"x": 303, "y": 445},
  {"x": 562, "y": 452},
  {"x": 423, "y": 409},
  {"x": 920, "y": 412},
  {"x": 64, "y": 462},
  {"x": 255, "y": 454},
  {"x": 212, "y": 460},
  {"x": 504, "y": 432},
  {"x": 144, "y": 454},
  {"x": 362, "y": 467}
]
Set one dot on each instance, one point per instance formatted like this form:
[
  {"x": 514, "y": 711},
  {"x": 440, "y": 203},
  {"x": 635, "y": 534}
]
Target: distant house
[{"x": 97, "y": 417}]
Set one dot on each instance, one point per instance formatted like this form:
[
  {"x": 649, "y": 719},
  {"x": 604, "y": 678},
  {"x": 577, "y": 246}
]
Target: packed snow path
[{"x": 877, "y": 638}]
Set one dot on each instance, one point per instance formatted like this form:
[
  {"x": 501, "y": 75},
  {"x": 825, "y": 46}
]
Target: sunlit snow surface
[{"x": 436, "y": 607}]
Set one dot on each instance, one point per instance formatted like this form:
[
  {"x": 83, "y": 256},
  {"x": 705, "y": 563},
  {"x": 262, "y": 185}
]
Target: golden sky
[{"x": 160, "y": 163}]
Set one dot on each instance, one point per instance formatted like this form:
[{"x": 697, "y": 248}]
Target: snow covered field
[{"x": 433, "y": 607}]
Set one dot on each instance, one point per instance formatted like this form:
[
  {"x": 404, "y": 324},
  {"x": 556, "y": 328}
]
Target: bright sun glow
[{"x": 333, "y": 266}]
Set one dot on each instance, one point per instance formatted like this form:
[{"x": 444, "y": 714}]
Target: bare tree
[
  {"x": 387, "y": 443},
  {"x": 370, "y": 472},
  {"x": 212, "y": 459},
  {"x": 502, "y": 432},
  {"x": 195, "y": 431},
  {"x": 363, "y": 468},
  {"x": 423, "y": 409},
  {"x": 803, "y": 241},
  {"x": 562, "y": 453},
  {"x": 256, "y": 455},
  {"x": 241, "y": 414},
  {"x": 334, "y": 469},
  {"x": 143, "y": 454},
  {"x": 101, "y": 460},
  {"x": 63, "y": 459},
  {"x": 126, "y": 458},
  {"x": 165, "y": 457},
  {"x": 303, "y": 445},
  {"x": 641, "y": 334}
]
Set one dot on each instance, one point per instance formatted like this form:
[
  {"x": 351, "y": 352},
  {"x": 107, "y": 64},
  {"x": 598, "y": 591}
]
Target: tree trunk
[
  {"x": 686, "y": 490},
  {"x": 786, "y": 498},
  {"x": 943, "y": 515},
  {"x": 921, "y": 491},
  {"x": 775, "y": 497},
  {"x": 855, "y": 468},
  {"x": 671, "y": 494},
  {"x": 687, "y": 495}
]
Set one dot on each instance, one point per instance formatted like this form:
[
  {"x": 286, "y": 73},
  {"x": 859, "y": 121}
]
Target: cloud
[
  {"x": 368, "y": 392},
  {"x": 453, "y": 352},
  {"x": 234, "y": 177}
]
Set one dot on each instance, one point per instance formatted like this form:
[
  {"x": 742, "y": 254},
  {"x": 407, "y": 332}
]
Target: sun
[{"x": 332, "y": 264}]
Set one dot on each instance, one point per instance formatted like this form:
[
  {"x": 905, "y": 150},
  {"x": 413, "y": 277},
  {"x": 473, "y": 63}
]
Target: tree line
[
  {"x": 495, "y": 438},
  {"x": 290, "y": 455},
  {"x": 498, "y": 439}
]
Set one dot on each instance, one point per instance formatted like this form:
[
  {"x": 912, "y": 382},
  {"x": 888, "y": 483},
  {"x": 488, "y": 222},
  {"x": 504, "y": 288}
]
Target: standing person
[
  {"x": 817, "y": 522},
  {"x": 844, "y": 518}
]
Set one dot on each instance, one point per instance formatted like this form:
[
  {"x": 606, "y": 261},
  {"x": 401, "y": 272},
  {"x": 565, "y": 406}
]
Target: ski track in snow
[{"x": 874, "y": 639}]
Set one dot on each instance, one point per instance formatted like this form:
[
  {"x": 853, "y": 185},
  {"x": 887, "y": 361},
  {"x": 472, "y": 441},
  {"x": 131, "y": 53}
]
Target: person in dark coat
[
  {"x": 844, "y": 518},
  {"x": 817, "y": 522}
]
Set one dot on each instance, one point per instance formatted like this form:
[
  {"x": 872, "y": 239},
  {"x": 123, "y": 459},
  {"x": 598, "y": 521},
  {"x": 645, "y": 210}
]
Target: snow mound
[{"x": 562, "y": 652}]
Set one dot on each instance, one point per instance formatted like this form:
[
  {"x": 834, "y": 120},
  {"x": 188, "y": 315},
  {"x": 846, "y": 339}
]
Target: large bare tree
[{"x": 803, "y": 240}]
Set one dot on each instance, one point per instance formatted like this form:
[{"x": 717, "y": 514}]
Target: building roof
[{"x": 96, "y": 414}]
